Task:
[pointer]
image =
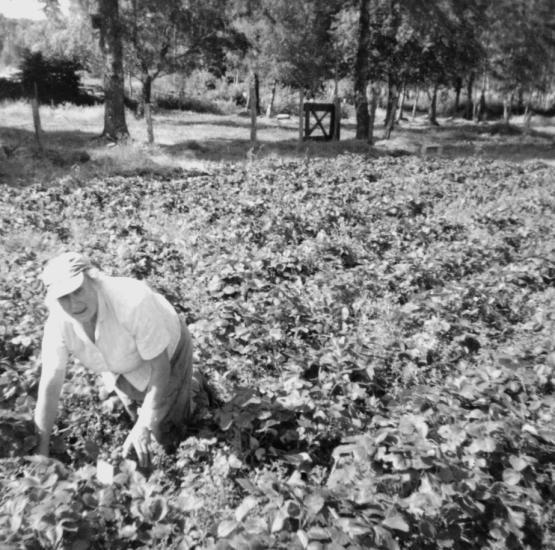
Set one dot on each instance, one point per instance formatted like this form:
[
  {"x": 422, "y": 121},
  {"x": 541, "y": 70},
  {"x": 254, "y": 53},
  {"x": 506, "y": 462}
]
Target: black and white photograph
[{"x": 277, "y": 274}]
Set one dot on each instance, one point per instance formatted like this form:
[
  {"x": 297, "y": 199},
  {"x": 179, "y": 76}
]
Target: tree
[
  {"x": 424, "y": 44},
  {"x": 289, "y": 41},
  {"x": 522, "y": 49},
  {"x": 361, "y": 71},
  {"x": 161, "y": 36},
  {"x": 11, "y": 40},
  {"x": 63, "y": 37},
  {"x": 385, "y": 53},
  {"x": 106, "y": 20},
  {"x": 54, "y": 79}
]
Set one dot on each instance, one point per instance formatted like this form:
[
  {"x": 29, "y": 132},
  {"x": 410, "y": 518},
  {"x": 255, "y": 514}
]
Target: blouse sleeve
[
  {"x": 149, "y": 327},
  {"x": 54, "y": 351}
]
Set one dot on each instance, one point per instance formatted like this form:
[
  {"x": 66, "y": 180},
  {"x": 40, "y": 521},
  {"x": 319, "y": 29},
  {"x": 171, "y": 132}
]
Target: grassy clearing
[{"x": 189, "y": 140}]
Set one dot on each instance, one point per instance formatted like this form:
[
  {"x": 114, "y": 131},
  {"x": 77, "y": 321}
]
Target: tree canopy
[{"x": 508, "y": 45}]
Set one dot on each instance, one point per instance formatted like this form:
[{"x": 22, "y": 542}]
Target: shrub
[
  {"x": 187, "y": 103},
  {"x": 55, "y": 78},
  {"x": 10, "y": 89}
]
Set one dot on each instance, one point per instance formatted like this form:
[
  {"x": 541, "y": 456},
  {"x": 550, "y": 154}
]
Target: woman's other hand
[{"x": 139, "y": 438}]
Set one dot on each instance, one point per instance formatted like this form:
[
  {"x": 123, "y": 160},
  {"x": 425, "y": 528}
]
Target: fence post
[
  {"x": 36, "y": 116},
  {"x": 301, "y": 97}
]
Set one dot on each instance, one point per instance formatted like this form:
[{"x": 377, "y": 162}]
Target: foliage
[
  {"x": 56, "y": 79},
  {"x": 520, "y": 38},
  {"x": 378, "y": 329},
  {"x": 10, "y": 89},
  {"x": 56, "y": 36},
  {"x": 169, "y": 36},
  {"x": 11, "y": 35},
  {"x": 289, "y": 42}
]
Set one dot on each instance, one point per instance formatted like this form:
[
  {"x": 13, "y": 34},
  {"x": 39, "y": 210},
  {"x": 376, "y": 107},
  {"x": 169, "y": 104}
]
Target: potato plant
[{"x": 378, "y": 330}]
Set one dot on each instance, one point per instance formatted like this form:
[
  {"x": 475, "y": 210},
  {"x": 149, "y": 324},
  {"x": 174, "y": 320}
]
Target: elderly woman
[{"x": 126, "y": 332}]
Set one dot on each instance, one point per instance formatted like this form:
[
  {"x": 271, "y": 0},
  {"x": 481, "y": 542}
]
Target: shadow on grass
[
  {"x": 475, "y": 131},
  {"x": 68, "y": 140},
  {"x": 21, "y": 163},
  {"x": 515, "y": 153},
  {"x": 228, "y": 123},
  {"x": 239, "y": 149}
]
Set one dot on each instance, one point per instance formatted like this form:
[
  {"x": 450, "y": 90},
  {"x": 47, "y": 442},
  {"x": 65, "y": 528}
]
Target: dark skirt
[{"x": 180, "y": 393}]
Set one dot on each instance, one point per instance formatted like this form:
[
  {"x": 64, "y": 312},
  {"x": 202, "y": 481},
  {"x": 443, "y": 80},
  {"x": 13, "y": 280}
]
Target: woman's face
[{"x": 81, "y": 304}]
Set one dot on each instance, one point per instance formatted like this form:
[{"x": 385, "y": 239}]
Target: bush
[
  {"x": 10, "y": 89},
  {"x": 186, "y": 103},
  {"x": 55, "y": 78}
]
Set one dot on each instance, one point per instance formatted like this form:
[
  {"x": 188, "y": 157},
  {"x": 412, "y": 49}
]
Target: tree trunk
[
  {"x": 480, "y": 107},
  {"x": 469, "y": 107},
  {"x": 336, "y": 130},
  {"x": 528, "y": 115},
  {"x": 36, "y": 118},
  {"x": 415, "y": 103},
  {"x": 476, "y": 109},
  {"x": 254, "y": 94},
  {"x": 389, "y": 103},
  {"x": 252, "y": 107},
  {"x": 146, "y": 99},
  {"x": 361, "y": 71},
  {"x": 301, "y": 101},
  {"x": 148, "y": 119},
  {"x": 391, "y": 111},
  {"x": 270, "y": 109},
  {"x": 402, "y": 101},
  {"x": 115, "y": 126},
  {"x": 507, "y": 101},
  {"x": 458, "y": 88},
  {"x": 432, "y": 110},
  {"x": 257, "y": 93},
  {"x": 521, "y": 107},
  {"x": 374, "y": 94}
]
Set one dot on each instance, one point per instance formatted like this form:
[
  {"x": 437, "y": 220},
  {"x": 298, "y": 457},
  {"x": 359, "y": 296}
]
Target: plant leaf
[{"x": 396, "y": 522}]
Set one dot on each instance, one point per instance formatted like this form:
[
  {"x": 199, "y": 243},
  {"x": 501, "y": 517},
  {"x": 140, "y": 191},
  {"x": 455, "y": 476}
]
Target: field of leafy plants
[{"x": 377, "y": 329}]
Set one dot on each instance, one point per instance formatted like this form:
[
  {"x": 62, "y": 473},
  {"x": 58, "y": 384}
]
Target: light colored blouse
[{"x": 134, "y": 325}]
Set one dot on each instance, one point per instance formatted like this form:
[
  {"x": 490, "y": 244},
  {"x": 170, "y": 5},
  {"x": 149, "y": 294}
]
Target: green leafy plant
[{"x": 378, "y": 330}]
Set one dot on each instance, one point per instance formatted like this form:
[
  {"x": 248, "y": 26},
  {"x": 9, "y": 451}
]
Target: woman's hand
[{"x": 139, "y": 438}]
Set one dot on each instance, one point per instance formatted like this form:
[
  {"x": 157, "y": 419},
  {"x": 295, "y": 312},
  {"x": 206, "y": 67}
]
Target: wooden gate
[{"x": 315, "y": 115}]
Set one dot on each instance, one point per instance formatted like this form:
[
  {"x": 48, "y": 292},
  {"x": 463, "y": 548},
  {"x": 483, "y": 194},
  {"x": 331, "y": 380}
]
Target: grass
[{"x": 188, "y": 140}]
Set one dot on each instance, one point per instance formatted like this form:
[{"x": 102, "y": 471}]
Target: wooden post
[
  {"x": 253, "y": 110},
  {"x": 301, "y": 101},
  {"x": 270, "y": 109},
  {"x": 402, "y": 102},
  {"x": 336, "y": 136},
  {"x": 528, "y": 115},
  {"x": 393, "y": 98},
  {"x": 336, "y": 131},
  {"x": 372, "y": 112},
  {"x": 415, "y": 104},
  {"x": 36, "y": 117},
  {"x": 148, "y": 117}
]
